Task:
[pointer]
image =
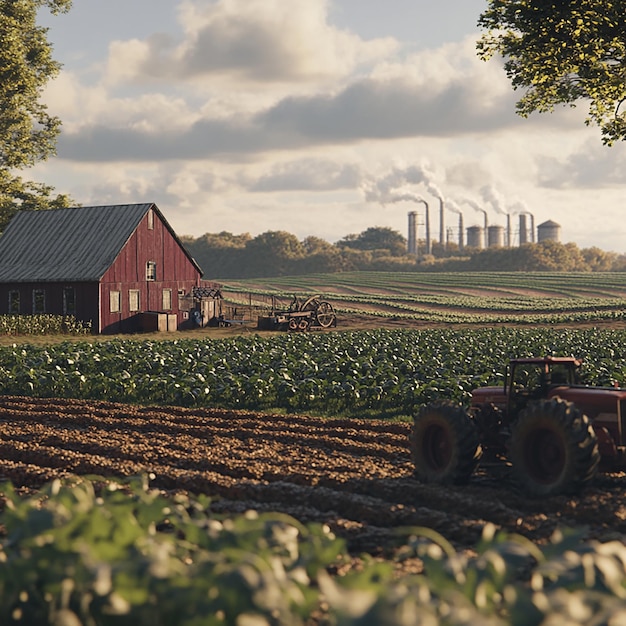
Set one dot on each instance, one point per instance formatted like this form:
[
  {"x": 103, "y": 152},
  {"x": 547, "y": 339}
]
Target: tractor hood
[{"x": 489, "y": 395}]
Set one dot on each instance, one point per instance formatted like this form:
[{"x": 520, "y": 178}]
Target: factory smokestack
[
  {"x": 412, "y": 242},
  {"x": 523, "y": 229},
  {"x": 442, "y": 230},
  {"x": 508, "y": 230},
  {"x": 486, "y": 220},
  {"x": 460, "y": 231},
  {"x": 532, "y": 227},
  {"x": 427, "y": 219}
]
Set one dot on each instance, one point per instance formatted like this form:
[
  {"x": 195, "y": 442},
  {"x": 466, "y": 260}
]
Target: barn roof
[{"x": 77, "y": 244}]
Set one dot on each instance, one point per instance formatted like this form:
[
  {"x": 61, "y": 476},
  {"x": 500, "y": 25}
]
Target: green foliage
[
  {"x": 89, "y": 551},
  {"x": 560, "y": 53},
  {"x": 27, "y": 132},
  {"x": 327, "y": 373},
  {"x": 94, "y": 551},
  {"x": 278, "y": 253},
  {"x": 42, "y": 325},
  {"x": 376, "y": 238}
]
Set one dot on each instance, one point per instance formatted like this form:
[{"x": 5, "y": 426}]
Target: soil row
[{"x": 354, "y": 475}]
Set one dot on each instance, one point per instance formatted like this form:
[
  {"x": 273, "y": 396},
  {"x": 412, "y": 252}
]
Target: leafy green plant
[
  {"x": 42, "y": 325},
  {"x": 326, "y": 373},
  {"x": 97, "y": 552},
  {"x": 91, "y": 551}
]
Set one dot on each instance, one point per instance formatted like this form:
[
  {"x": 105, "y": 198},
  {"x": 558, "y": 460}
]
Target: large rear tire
[
  {"x": 553, "y": 449},
  {"x": 444, "y": 444}
]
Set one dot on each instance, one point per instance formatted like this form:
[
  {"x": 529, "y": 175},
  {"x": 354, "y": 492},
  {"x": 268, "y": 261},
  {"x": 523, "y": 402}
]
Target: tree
[
  {"x": 273, "y": 253},
  {"x": 27, "y": 132},
  {"x": 561, "y": 52},
  {"x": 376, "y": 238}
]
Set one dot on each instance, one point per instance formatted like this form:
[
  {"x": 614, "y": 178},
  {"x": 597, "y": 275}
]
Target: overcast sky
[{"x": 317, "y": 117}]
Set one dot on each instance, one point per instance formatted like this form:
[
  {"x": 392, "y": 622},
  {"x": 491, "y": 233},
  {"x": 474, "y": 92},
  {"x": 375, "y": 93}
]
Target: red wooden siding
[{"x": 174, "y": 270}]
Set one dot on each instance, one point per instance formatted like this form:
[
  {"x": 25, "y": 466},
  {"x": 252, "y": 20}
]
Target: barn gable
[{"x": 77, "y": 244}]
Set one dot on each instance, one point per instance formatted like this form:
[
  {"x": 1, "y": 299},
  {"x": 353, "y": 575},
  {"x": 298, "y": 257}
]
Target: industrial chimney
[
  {"x": 508, "y": 230},
  {"x": 428, "y": 246},
  {"x": 442, "y": 230},
  {"x": 532, "y": 227},
  {"x": 523, "y": 229},
  {"x": 412, "y": 241},
  {"x": 460, "y": 231}
]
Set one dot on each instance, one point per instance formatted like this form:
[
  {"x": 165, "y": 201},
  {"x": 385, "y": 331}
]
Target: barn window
[
  {"x": 133, "y": 299},
  {"x": 151, "y": 270},
  {"x": 115, "y": 302},
  {"x": 167, "y": 299},
  {"x": 150, "y": 219},
  {"x": 69, "y": 301},
  {"x": 39, "y": 301},
  {"x": 14, "y": 302}
]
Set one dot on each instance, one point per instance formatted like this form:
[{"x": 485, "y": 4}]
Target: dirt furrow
[{"x": 354, "y": 475}]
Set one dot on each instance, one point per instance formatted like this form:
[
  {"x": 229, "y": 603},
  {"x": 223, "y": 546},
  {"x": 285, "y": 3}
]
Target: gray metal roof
[{"x": 77, "y": 244}]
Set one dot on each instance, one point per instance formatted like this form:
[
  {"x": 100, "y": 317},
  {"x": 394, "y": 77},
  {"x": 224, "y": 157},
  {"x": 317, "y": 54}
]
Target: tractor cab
[
  {"x": 534, "y": 378},
  {"x": 528, "y": 379}
]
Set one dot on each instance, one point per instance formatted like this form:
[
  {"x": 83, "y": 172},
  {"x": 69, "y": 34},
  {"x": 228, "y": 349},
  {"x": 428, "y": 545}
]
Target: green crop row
[
  {"x": 42, "y": 325},
  {"x": 548, "y": 284},
  {"x": 376, "y": 373},
  {"x": 88, "y": 551}
]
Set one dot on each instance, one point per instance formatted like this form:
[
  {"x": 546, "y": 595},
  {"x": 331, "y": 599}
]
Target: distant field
[{"x": 479, "y": 297}]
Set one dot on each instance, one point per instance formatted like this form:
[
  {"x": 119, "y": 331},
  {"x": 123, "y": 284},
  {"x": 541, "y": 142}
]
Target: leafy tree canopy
[
  {"x": 376, "y": 238},
  {"x": 561, "y": 52},
  {"x": 27, "y": 132}
]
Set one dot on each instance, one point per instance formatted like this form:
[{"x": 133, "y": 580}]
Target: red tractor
[{"x": 551, "y": 430}]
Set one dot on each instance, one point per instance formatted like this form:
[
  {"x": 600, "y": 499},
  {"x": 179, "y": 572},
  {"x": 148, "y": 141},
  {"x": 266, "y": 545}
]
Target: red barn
[{"x": 109, "y": 265}]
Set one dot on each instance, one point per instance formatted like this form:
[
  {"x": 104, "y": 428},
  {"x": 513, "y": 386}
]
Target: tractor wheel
[
  {"x": 325, "y": 314},
  {"x": 552, "y": 448},
  {"x": 444, "y": 444}
]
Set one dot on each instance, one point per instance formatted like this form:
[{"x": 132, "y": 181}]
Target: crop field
[
  {"x": 315, "y": 426},
  {"x": 469, "y": 298}
]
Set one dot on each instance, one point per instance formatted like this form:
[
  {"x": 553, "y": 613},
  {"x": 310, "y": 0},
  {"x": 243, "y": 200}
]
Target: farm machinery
[
  {"x": 301, "y": 315},
  {"x": 551, "y": 432}
]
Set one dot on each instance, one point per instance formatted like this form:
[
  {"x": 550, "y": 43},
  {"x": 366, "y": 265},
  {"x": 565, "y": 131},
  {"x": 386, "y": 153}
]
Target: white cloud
[
  {"x": 312, "y": 174},
  {"x": 256, "y": 41},
  {"x": 590, "y": 165}
]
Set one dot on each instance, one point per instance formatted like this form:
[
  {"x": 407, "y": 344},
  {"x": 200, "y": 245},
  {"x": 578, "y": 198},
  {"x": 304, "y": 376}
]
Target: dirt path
[{"x": 354, "y": 475}]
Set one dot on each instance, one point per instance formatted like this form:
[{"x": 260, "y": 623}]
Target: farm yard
[{"x": 316, "y": 426}]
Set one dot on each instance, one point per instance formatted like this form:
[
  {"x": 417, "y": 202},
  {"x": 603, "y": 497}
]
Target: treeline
[{"x": 279, "y": 253}]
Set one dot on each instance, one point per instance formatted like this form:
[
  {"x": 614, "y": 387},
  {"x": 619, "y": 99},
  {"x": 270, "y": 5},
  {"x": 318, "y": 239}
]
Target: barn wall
[
  {"x": 174, "y": 270},
  {"x": 86, "y": 295}
]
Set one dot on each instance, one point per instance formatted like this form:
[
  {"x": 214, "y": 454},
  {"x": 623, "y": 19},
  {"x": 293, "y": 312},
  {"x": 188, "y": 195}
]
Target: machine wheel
[
  {"x": 444, "y": 444},
  {"x": 553, "y": 448},
  {"x": 325, "y": 314},
  {"x": 293, "y": 324},
  {"x": 303, "y": 325}
]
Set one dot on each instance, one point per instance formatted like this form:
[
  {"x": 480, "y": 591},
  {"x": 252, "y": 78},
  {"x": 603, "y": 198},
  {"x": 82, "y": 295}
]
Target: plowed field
[{"x": 353, "y": 474}]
